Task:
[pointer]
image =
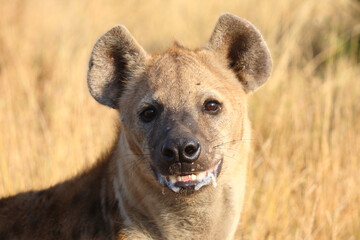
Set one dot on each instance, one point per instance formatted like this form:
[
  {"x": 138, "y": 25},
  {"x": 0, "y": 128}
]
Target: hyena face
[
  {"x": 183, "y": 112},
  {"x": 181, "y": 117}
]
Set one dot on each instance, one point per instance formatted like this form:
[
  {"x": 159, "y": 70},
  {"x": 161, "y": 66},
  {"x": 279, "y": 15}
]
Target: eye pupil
[
  {"x": 212, "y": 106},
  {"x": 148, "y": 115}
]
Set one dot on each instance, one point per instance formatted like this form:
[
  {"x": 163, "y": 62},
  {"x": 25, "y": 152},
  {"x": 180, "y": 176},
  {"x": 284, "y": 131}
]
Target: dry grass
[{"x": 305, "y": 170}]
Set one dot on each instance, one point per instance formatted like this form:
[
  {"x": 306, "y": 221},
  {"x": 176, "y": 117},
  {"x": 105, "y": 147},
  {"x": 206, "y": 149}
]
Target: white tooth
[
  {"x": 175, "y": 189},
  {"x": 201, "y": 176},
  {"x": 172, "y": 179},
  {"x": 178, "y": 178},
  {"x": 193, "y": 177}
]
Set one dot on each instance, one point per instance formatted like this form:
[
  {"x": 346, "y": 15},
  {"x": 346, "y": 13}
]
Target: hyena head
[{"x": 184, "y": 112}]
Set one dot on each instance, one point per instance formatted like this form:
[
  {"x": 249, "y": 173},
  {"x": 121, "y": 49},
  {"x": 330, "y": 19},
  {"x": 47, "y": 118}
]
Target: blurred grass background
[{"x": 304, "y": 175}]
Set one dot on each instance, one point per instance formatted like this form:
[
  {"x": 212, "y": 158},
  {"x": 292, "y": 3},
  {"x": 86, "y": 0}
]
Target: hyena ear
[
  {"x": 242, "y": 45},
  {"x": 115, "y": 60}
]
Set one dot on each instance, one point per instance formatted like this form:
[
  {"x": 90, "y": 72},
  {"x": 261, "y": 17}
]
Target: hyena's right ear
[{"x": 115, "y": 59}]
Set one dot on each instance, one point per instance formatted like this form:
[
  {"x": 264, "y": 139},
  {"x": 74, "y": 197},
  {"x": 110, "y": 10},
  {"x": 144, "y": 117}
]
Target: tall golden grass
[{"x": 304, "y": 176}]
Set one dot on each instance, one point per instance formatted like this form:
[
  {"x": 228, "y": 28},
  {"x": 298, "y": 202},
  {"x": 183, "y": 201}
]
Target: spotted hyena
[{"x": 177, "y": 169}]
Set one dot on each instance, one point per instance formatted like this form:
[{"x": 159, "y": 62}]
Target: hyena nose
[{"x": 181, "y": 150}]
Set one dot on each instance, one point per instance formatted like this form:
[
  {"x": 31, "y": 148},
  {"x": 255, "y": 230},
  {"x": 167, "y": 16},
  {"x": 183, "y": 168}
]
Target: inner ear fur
[
  {"x": 244, "y": 48},
  {"x": 116, "y": 58}
]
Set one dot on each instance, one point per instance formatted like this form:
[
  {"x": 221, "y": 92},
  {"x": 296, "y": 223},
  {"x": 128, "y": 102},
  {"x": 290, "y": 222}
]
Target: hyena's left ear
[
  {"x": 242, "y": 45},
  {"x": 115, "y": 60}
]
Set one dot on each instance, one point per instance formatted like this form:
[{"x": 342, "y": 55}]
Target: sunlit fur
[{"x": 120, "y": 197}]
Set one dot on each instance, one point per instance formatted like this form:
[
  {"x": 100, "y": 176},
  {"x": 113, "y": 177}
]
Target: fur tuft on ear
[
  {"x": 115, "y": 59},
  {"x": 242, "y": 45}
]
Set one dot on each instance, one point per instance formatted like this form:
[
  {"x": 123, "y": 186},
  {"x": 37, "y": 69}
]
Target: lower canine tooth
[
  {"x": 175, "y": 189},
  {"x": 172, "y": 179},
  {"x": 201, "y": 175}
]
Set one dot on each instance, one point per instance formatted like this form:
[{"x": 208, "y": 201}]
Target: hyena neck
[{"x": 147, "y": 207}]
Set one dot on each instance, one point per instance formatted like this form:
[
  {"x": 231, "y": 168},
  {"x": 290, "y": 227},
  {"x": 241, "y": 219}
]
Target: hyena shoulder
[{"x": 77, "y": 208}]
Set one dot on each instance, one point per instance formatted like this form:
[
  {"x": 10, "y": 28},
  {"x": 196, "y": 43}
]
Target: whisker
[
  {"x": 217, "y": 136},
  {"x": 133, "y": 154},
  {"x": 226, "y": 156},
  {"x": 227, "y": 148},
  {"x": 236, "y": 140}
]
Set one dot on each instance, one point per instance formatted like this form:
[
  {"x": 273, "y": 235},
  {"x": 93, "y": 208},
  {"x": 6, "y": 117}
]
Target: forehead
[
  {"x": 180, "y": 75},
  {"x": 178, "y": 67}
]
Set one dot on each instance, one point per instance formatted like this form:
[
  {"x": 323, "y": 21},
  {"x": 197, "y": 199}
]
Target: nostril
[
  {"x": 190, "y": 150},
  {"x": 167, "y": 152}
]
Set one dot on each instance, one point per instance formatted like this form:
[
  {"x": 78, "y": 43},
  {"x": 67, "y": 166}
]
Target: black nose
[{"x": 181, "y": 149}]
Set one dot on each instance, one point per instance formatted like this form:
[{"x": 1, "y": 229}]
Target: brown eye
[
  {"x": 212, "y": 106},
  {"x": 148, "y": 114}
]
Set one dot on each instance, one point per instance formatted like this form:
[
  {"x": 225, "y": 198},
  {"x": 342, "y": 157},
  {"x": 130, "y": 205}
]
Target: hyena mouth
[{"x": 194, "y": 180}]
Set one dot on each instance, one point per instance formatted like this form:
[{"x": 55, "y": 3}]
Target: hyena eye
[
  {"x": 148, "y": 114},
  {"x": 212, "y": 106}
]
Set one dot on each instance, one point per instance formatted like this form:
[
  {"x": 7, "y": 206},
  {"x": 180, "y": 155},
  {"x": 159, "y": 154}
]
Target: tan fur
[{"x": 121, "y": 197}]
